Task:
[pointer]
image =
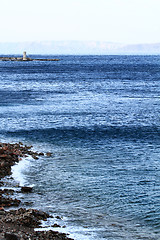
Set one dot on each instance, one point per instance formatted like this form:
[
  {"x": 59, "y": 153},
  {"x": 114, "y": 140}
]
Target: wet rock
[
  {"x": 25, "y": 217},
  {"x": 26, "y": 189},
  {"x": 52, "y": 235},
  {"x": 6, "y": 191},
  {"x": 41, "y": 154},
  {"x": 58, "y": 217},
  {"x": 35, "y": 157},
  {"x": 12, "y": 153},
  {"x": 48, "y": 154},
  {"x": 20, "y": 223},
  {"x": 56, "y": 225},
  {"x": 28, "y": 203},
  {"x": 28, "y": 147},
  {"x": 2, "y": 211},
  {"x": 8, "y": 202}
]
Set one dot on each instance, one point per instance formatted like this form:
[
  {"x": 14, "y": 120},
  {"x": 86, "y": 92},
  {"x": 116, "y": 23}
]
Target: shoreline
[{"x": 20, "y": 223}]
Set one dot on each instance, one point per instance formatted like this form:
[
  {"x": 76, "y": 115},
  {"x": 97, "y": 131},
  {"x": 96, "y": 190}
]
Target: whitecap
[{"x": 19, "y": 169}]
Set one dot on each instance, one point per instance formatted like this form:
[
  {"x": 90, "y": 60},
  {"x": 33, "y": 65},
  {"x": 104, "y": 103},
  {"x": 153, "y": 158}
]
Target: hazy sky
[{"x": 124, "y": 21}]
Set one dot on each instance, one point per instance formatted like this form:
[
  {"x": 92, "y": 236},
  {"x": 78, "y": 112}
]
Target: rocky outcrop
[
  {"x": 12, "y": 153},
  {"x": 19, "y": 224},
  {"x": 25, "y": 217}
]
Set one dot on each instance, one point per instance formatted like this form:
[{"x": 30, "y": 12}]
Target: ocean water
[{"x": 100, "y": 118}]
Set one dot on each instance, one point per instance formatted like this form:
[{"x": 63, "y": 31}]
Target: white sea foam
[
  {"x": 77, "y": 233},
  {"x": 19, "y": 169}
]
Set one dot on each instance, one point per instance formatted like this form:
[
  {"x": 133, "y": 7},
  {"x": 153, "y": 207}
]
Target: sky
[{"x": 118, "y": 21}]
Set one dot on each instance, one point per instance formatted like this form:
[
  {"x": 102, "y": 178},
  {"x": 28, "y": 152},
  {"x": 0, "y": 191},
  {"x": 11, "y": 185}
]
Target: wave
[
  {"x": 145, "y": 133},
  {"x": 19, "y": 168}
]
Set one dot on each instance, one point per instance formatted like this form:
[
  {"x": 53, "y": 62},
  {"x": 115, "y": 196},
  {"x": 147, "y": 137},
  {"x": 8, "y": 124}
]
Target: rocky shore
[{"x": 19, "y": 224}]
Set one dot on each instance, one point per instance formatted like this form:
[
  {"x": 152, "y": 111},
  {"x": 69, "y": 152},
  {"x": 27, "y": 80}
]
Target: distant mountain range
[{"x": 77, "y": 47}]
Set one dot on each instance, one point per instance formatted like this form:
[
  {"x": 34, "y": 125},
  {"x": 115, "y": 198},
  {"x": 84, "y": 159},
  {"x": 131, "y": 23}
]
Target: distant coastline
[{"x": 79, "y": 48}]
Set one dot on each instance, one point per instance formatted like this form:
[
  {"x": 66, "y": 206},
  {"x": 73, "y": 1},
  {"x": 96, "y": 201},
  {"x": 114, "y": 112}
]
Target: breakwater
[{"x": 27, "y": 59}]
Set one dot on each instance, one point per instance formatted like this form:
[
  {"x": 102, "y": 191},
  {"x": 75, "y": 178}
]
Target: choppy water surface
[{"x": 100, "y": 116}]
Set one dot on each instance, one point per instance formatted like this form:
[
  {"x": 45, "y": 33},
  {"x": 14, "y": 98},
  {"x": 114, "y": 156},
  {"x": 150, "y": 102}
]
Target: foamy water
[{"x": 20, "y": 169}]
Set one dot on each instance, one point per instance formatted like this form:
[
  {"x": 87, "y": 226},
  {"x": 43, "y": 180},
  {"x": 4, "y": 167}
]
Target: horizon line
[{"x": 104, "y": 41}]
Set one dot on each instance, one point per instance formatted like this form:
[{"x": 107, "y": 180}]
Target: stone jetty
[{"x": 24, "y": 58}]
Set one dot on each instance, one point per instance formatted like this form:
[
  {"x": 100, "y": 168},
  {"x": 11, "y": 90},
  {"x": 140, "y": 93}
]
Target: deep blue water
[{"x": 100, "y": 117}]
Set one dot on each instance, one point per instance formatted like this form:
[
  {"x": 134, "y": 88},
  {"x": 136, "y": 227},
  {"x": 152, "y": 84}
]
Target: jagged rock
[
  {"x": 11, "y": 236},
  {"x": 8, "y": 202},
  {"x": 26, "y": 217},
  {"x": 19, "y": 224},
  {"x": 26, "y": 189}
]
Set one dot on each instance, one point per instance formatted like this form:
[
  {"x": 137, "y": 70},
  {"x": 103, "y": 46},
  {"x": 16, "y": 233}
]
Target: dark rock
[
  {"x": 25, "y": 217},
  {"x": 48, "y": 154},
  {"x": 11, "y": 236},
  {"x": 1, "y": 150},
  {"x": 19, "y": 224},
  {"x": 35, "y": 157},
  {"x": 41, "y": 154},
  {"x": 55, "y": 225},
  {"x": 58, "y": 217},
  {"x": 2, "y": 213},
  {"x": 26, "y": 189},
  {"x": 8, "y": 202}
]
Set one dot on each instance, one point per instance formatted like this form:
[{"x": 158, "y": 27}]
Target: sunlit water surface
[{"x": 100, "y": 118}]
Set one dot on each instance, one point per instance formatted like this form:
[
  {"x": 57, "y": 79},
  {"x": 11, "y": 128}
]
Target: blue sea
[{"x": 100, "y": 118}]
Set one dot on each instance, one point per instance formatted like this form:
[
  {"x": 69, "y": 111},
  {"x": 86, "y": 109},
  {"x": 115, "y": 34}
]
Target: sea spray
[{"x": 20, "y": 169}]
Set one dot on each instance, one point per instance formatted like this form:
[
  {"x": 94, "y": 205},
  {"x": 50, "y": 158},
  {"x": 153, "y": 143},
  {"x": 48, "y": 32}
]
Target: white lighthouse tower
[{"x": 24, "y": 56}]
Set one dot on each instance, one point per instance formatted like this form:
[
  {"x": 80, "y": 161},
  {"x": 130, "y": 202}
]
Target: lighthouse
[{"x": 24, "y": 56}]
